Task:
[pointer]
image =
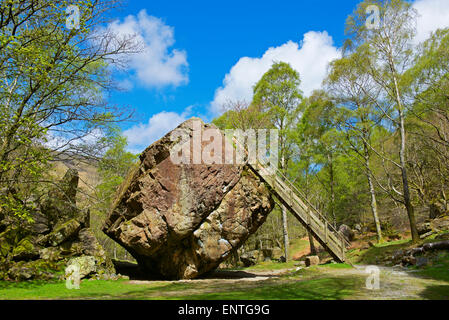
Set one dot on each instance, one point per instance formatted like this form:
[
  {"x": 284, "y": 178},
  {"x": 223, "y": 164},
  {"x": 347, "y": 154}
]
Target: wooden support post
[
  {"x": 291, "y": 198},
  {"x": 325, "y": 232},
  {"x": 343, "y": 249}
]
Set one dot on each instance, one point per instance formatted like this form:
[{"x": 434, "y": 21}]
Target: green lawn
[
  {"x": 377, "y": 254},
  {"x": 285, "y": 288},
  {"x": 95, "y": 289},
  {"x": 315, "y": 289},
  {"x": 440, "y": 268},
  {"x": 331, "y": 281}
]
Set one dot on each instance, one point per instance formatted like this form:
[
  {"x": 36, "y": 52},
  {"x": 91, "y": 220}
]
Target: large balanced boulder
[{"x": 182, "y": 220}]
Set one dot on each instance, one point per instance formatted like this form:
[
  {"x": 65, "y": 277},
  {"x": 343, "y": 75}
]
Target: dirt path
[
  {"x": 227, "y": 277},
  {"x": 394, "y": 283}
]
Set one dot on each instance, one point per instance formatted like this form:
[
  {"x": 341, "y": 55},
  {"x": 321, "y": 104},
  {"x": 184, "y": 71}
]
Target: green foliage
[
  {"x": 277, "y": 94},
  {"x": 240, "y": 115},
  {"x": 52, "y": 92},
  {"x": 376, "y": 136},
  {"x": 113, "y": 168},
  {"x": 440, "y": 268}
]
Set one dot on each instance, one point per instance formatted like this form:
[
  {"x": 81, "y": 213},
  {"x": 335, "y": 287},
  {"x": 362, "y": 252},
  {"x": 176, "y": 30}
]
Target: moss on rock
[
  {"x": 30, "y": 253},
  {"x": 85, "y": 265},
  {"x": 25, "y": 250},
  {"x": 5, "y": 248},
  {"x": 33, "y": 270},
  {"x": 63, "y": 232}
]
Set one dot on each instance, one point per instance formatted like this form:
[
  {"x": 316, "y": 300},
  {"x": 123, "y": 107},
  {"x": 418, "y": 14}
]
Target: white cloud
[
  {"x": 434, "y": 14},
  {"x": 310, "y": 59},
  {"x": 142, "y": 135},
  {"x": 157, "y": 65},
  {"x": 56, "y": 140}
]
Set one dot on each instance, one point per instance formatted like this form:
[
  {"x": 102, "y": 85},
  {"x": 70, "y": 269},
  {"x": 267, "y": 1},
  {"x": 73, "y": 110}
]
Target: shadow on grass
[
  {"x": 436, "y": 292},
  {"x": 315, "y": 289},
  {"x": 232, "y": 274},
  {"x": 298, "y": 286},
  {"x": 24, "y": 284},
  {"x": 318, "y": 289},
  {"x": 375, "y": 255},
  {"x": 133, "y": 271}
]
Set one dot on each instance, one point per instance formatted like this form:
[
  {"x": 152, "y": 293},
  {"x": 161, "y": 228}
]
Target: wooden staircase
[
  {"x": 288, "y": 194},
  {"x": 332, "y": 240},
  {"x": 325, "y": 233}
]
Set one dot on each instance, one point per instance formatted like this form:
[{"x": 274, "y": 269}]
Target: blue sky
[{"x": 199, "y": 54}]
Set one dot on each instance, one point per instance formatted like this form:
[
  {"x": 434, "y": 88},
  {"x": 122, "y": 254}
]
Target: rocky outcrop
[
  {"x": 250, "y": 258},
  {"x": 433, "y": 226},
  {"x": 182, "y": 220},
  {"x": 422, "y": 255},
  {"x": 59, "y": 232},
  {"x": 347, "y": 232}
]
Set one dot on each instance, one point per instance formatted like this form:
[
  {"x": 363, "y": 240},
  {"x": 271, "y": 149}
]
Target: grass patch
[
  {"x": 336, "y": 266},
  {"x": 314, "y": 289},
  {"x": 271, "y": 265},
  {"x": 378, "y": 253},
  {"x": 297, "y": 245},
  {"x": 307, "y": 284},
  {"x": 334, "y": 288},
  {"x": 96, "y": 289},
  {"x": 440, "y": 268}
]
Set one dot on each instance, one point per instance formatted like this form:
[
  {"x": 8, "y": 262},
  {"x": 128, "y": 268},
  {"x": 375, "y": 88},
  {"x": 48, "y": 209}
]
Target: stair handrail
[
  {"x": 295, "y": 189},
  {"x": 307, "y": 202}
]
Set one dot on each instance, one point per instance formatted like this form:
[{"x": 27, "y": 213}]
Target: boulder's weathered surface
[
  {"x": 182, "y": 220},
  {"x": 60, "y": 232}
]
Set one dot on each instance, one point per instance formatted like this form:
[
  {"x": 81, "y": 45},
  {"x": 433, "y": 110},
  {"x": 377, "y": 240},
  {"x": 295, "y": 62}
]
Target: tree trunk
[
  {"x": 331, "y": 178},
  {"x": 402, "y": 155},
  {"x": 313, "y": 250},
  {"x": 442, "y": 245},
  {"x": 284, "y": 218},
  {"x": 406, "y": 188},
  {"x": 374, "y": 209},
  {"x": 373, "y": 196},
  {"x": 285, "y": 232}
]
